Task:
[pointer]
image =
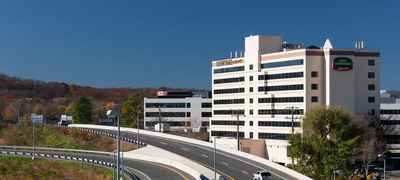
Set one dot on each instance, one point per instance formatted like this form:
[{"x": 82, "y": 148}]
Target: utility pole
[
  {"x": 137, "y": 124},
  {"x": 215, "y": 157},
  {"x": 159, "y": 119},
  {"x": 237, "y": 114},
  {"x": 33, "y": 140},
  {"x": 118, "y": 149}
]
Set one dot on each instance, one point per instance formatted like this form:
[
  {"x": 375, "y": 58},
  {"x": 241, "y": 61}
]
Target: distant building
[
  {"x": 273, "y": 79},
  {"x": 390, "y": 116},
  {"x": 179, "y": 109}
]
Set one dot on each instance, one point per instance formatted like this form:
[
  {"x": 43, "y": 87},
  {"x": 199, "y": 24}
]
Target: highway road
[
  {"x": 142, "y": 169},
  {"x": 230, "y": 165}
]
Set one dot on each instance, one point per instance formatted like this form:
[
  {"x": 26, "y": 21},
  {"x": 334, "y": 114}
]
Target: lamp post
[
  {"x": 237, "y": 114},
  {"x": 384, "y": 164},
  {"x": 114, "y": 114},
  {"x": 215, "y": 157}
]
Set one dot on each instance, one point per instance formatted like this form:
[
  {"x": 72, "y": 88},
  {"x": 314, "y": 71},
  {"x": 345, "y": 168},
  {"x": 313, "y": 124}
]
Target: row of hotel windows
[
  {"x": 260, "y": 111},
  {"x": 260, "y": 123},
  {"x": 371, "y": 62},
  {"x": 177, "y": 123},
  {"x": 261, "y": 100},
  {"x": 280, "y": 76},
  {"x": 261, "y": 77},
  {"x": 263, "y": 66},
  {"x": 282, "y": 64},
  {"x": 390, "y": 111},
  {"x": 175, "y": 105},
  {"x": 281, "y": 88},
  {"x": 230, "y": 69},
  {"x": 175, "y": 114},
  {"x": 277, "y": 136},
  {"x": 170, "y": 123}
]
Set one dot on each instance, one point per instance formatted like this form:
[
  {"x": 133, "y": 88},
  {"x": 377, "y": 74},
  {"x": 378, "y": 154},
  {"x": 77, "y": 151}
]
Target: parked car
[{"x": 262, "y": 175}]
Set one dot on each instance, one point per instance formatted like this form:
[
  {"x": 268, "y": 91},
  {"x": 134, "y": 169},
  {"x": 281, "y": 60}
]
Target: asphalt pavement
[
  {"x": 143, "y": 169},
  {"x": 229, "y": 165}
]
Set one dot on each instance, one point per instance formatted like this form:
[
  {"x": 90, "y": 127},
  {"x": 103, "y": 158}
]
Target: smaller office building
[
  {"x": 180, "y": 110},
  {"x": 390, "y": 116}
]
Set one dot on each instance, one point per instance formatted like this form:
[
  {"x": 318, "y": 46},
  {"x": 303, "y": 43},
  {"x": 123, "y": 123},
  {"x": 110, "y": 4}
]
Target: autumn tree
[
  {"x": 82, "y": 111},
  {"x": 329, "y": 140},
  {"x": 132, "y": 111}
]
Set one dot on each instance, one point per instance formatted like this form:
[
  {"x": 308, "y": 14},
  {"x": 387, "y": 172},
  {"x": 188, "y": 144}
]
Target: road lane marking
[
  {"x": 245, "y": 172},
  {"x": 164, "y": 143},
  {"x": 184, "y": 149},
  {"x": 225, "y": 163},
  {"x": 204, "y": 155}
]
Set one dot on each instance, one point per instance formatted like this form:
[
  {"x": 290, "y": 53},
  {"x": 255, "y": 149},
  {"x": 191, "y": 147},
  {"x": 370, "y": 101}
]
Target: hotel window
[
  {"x": 314, "y": 99},
  {"x": 251, "y": 112},
  {"x": 251, "y": 123},
  {"x": 206, "y": 105},
  {"x": 251, "y": 100},
  {"x": 251, "y": 67},
  {"x": 251, "y": 89},
  {"x": 371, "y": 99},
  {"x": 226, "y": 133},
  {"x": 187, "y": 105},
  {"x": 188, "y": 114},
  {"x": 281, "y": 76},
  {"x": 231, "y": 69},
  {"x": 228, "y": 80},
  {"x": 229, "y": 91},
  {"x": 282, "y": 64},
  {"x": 314, "y": 74},
  {"x": 314, "y": 86},
  {"x": 277, "y": 136},
  {"x": 371, "y": 87},
  {"x": 371, "y": 75},
  {"x": 371, "y": 62},
  {"x": 281, "y": 88},
  {"x": 251, "y": 78},
  {"x": 251, "y": 135}
]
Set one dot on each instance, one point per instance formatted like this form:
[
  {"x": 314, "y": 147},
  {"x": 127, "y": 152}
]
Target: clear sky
[{"x": 129, "y": 43}]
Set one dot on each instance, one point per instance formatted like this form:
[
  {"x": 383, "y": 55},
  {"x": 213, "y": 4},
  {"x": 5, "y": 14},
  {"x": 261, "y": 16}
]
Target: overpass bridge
[{"x": 230, "y": 163}]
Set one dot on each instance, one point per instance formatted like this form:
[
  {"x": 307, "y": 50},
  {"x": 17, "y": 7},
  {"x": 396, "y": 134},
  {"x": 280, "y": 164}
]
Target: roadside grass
[
  {"x": 22, "y": 168},
  {"x": 56, "y": 137}
]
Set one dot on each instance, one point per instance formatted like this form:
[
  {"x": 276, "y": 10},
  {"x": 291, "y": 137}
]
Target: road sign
[{"x": 37, "y": 118}]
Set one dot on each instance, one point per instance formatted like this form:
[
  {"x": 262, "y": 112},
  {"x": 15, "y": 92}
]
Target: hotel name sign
[{"x": 228, "y": 62}]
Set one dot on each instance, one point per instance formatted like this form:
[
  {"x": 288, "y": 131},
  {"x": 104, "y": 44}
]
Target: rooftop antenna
[
  {"x": 231, "y": 55},
  {"x": 236, "y": 54}
]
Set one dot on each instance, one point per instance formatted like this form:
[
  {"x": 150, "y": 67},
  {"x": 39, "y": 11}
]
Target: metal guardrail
[
  {"x": 63, "y": 154},
  {"x": 112, "y": 135}
]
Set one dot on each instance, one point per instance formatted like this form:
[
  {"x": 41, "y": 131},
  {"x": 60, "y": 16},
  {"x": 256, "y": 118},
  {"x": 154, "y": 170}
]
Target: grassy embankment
[
  {"x": 50, "y": 136},
  {"x": 21, "y": 168}
]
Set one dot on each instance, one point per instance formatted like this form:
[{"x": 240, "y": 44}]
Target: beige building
[{"x": 272, "y": 85}]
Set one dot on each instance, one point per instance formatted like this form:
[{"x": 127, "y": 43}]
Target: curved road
[
  {"x": 230, "y": 165},
  {"x": 143, "y": 169}
]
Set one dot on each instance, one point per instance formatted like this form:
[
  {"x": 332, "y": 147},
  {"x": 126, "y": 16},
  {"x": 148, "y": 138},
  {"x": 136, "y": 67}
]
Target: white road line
[
  {"x": 204, "y": 155},
  {"x": 185, "y": 149},
  {"x": 225, "y": 163},
  {"x": 245, "y": 172},
  {"x": 164, "y": 143}
]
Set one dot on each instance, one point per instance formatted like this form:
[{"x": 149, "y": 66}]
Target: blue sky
[{"x": 128, "y": 43}]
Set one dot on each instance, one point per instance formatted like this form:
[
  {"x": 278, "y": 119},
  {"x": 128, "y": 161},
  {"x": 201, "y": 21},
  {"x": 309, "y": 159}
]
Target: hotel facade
[{"x": 269, "y": 88}]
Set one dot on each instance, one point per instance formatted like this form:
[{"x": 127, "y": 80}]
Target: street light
[
  {"x": 237, "y": 114},
  {"x": 114, "y": 114},
  {"x": 384, "y": 164}
]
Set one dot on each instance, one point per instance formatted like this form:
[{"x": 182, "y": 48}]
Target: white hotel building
[
  {"x": 390, "y": 116},
  {"x": 272, "y": 77}
]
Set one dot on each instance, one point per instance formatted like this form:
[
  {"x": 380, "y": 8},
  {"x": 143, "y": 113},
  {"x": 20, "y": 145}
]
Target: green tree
[
  {"x": 82, "y": 111},
  {"x": 131, "y": 111},
  {"x": 329, "y": 140}
]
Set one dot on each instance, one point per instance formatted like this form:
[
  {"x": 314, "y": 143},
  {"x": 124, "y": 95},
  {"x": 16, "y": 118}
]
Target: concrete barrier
[{"x": 200, "y": 143}]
